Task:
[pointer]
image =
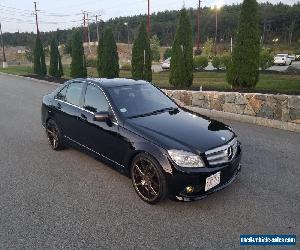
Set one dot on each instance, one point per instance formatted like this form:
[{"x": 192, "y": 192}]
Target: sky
[{"x": 17, "y": 15}]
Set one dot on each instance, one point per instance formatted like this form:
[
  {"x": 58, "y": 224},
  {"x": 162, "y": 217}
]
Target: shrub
[
  {"x": 154, "y": 45},
  {"x": 216, "y": 62},
  {"x": 110, "y": 58},
  {"x": 155, "y": 55},
  {"x": 39, "y": 65},
  {"x": 181, "y": 72},
  {"x": 91, "y": 62},
  {"x": 266, "y": 58},
  {"x": 141, "y": 56},
  {"x": 55, "y": 68},
  {"x": 200, "y": 62},
  {"x": 225, "y": 60},
  {"x": 168, "y": 53},
  {"x": 126, "y": 67},
  {"x": 78, "y": 66},
  {"x": 243, "y": 71}
]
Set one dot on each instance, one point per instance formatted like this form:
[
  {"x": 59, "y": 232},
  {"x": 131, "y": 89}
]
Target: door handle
[
  {"x": 58, "y": 106},
  {"x": 83, "y": 118}
]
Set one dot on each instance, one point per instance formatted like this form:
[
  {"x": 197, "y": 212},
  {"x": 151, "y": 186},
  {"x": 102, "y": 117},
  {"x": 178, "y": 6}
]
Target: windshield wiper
[{"x": 170, "y": 109}]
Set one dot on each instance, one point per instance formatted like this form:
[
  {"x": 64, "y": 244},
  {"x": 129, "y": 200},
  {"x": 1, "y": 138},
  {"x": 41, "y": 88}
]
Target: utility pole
[
  {"x": 36, "y": 19},
  {"x": 148, "y": 19},
  {"x": 89, "y": 35},
  {"x": 198, "y": 50},
  {"x": 85, "y": 39},
  {"x": 3, "y": 50}
]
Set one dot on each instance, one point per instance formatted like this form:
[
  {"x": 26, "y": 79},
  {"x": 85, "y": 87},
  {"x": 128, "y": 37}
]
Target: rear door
[{"x": 68, "y": 109}]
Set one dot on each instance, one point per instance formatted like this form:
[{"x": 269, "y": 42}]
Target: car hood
[{"x": 182, "y": 130}]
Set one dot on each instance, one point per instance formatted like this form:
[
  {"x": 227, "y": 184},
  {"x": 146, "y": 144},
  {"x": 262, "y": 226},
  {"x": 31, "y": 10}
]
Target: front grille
[{"x": 222, "y": 154}]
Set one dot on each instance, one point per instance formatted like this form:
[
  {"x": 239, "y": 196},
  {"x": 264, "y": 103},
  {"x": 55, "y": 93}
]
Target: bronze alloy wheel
[
  {"x": 53, "y": 135},
  {"x": 148, "y": 180}
]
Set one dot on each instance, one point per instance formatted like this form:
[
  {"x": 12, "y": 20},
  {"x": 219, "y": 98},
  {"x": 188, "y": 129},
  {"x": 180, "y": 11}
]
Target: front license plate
[{"x": 212, "y": 181}]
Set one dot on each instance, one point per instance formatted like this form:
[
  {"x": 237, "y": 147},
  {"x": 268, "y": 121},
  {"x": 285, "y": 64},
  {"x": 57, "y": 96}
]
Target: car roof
[{"x": 115, "y": 82}]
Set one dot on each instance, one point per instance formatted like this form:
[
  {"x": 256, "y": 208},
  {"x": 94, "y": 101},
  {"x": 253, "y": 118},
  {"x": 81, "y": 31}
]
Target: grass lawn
[{"x": 274, "y": 83}]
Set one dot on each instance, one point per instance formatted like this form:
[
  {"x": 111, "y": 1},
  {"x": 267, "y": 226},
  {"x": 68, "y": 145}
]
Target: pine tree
[
  {"x": 53, "y": 68},
  {"x": 39, "y": 64},
  {"x": 100, "y": 57},
  {"x": 181, "y": 72},
  {"x": 141, "y": 56},
  {"x": 60, "y": 66},
  {"x": 243, "y": 71},
  {"x": 109, "y": 61},
  {"x": 78, "y": 67}
]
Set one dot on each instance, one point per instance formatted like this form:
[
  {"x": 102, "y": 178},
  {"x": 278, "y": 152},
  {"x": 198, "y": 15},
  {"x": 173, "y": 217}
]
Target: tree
[
  {"x": 216, "y": 62},
  {"x": 181, "y": 72},
  {"x": 39, "y": 66},
  {"x": 243, "y": 71},
  {"x": 266, "y": 58},
  {"x": 168, "y": 53},
  {"x": 208, "y": 47},
  {"x": 200, "y": 62},
  {"x": 141, "y": 56},
  {"x": 78, "y": 67},
  {"x": 55, "y": 68},
  {"x": 108, "y": 56},
  {"x": 154, "y": 45},
  {"x": 100, "y": 57}
]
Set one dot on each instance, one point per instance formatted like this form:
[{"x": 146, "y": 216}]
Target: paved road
[{"x": 69, "y": 200}]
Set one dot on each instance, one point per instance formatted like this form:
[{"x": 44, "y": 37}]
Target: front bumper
[{"x": 179, "y": 180}]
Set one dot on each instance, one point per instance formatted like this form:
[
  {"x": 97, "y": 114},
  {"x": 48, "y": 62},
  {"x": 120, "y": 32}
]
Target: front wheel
[
  {"x": 54, "y": 135},
  {"x": 148, "y": 179}
]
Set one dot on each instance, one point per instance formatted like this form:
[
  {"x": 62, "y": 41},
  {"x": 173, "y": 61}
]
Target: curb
[
  {"x": 32, "y": 79},
  {"x": 288, "y": 126}
]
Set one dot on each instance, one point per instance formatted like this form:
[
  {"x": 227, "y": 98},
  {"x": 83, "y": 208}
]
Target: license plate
[{"x": 212, "y": 181}]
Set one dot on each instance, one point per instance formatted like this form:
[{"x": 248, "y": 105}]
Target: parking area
[{"x": 68, "y": 199}]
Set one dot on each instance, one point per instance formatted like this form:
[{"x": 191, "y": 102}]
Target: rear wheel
[
  {"x": 148, "y": 179},
  {"x": 54, "y": 135}
]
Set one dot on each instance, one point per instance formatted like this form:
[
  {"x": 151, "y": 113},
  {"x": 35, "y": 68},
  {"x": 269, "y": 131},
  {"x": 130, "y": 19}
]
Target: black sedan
[{"x": 134, "y": 127}]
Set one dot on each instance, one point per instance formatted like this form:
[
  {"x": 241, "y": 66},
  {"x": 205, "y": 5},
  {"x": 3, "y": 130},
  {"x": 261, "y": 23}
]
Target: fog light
[{"x": 189, "y": 189}]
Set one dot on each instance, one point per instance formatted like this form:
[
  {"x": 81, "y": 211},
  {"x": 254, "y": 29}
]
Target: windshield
[{"x": 139, "y": 99}]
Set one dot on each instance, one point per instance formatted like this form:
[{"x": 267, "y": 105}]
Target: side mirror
[{"x": 101, "y": 116}]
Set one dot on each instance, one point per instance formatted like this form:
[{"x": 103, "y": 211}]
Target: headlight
[{"x": 186, "y": 159}]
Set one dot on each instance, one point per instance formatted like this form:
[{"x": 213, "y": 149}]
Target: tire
[
  {"x": 54, "y": 135},
  {"x": 148, "y": 179}
]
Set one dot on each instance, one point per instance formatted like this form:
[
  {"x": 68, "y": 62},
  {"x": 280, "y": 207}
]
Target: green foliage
[
  {"x": 29, "y": 55},
  {"x": 68, "y": 47},
  {"x": 266, "y": 58},
  {"x": 225, "y": 60},
  {"x": 181, "y": 72},
  {"x": 155, "y": 45},
  {"x": 216, "y": 62},
  {"x": 168, "y": 53},
  {"x": 127, "y": 67},
  {"x": 39, "y": 65},
  {"x": 243, "y": 72},
  {"x": 78, "y": 67},
  {"x": 100, "y": 57},
  {"x": 208, "y": 48},
  {"x": 141, "y": 56},
  {"x": 200, "y": 62},
  {"x": 60, "y": 66},
  {"x": 54, "y": 59},
  {"x": 91, "y": 62},
  {"x": 108, "y": 56}
]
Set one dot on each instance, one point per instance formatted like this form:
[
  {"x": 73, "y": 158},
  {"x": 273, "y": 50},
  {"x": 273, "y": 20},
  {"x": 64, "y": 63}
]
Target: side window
[
  {"x": 61, "y": 95},
  {"x": 95, "y": 100},
  {"x": 74, "y": 93}
]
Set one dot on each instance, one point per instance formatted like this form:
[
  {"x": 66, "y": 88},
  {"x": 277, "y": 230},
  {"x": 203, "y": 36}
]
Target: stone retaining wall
[{"x": 278, "y": 107}]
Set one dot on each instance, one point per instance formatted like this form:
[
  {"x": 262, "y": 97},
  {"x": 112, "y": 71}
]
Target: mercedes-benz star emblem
[{"x": 229, "y": 152}]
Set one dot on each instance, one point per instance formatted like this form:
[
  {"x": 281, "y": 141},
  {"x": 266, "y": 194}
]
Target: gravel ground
[{"x": 68, "y": 200}]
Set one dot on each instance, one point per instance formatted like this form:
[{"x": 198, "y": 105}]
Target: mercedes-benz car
[{"x": 134, "y": 127}]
